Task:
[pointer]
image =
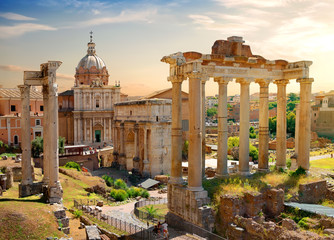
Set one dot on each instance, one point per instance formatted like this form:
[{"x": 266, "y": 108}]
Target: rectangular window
[
  {"x": 185, "y": 125},
  {"x": 41, "y": 108},
  {"x": 29, "y": 107},
  {"x": 38, "y": 122},
  {"x": 13, "y": 108},
  {"x": 97, "y": 103}
]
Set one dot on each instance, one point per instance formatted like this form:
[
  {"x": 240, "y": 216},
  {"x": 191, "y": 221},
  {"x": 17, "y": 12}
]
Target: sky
[{"x": 132, "y": 36}]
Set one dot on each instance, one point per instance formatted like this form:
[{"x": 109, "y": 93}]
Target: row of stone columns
[{"x": 196, "y": 164}]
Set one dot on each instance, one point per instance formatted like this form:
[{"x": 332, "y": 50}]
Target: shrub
[
  {"x": 145, "y": 193},
  {"x": 253, "y": 152},
  {"x": 120, "y": 184},
  {"x": 303, "y": 223},
  {"x": 109, "y": 180},
  {"x": 73, "y": 165},
  {"x": 77, "y": 213},
  {"x": 300, "y": 171},
  {"x": 133, "y": 192},
  {"x": 119, "y": 194}
]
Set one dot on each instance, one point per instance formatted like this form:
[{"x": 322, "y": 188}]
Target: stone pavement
[
  {"x": 126, "y": 217},
  {"x": 312, "y": 208}
]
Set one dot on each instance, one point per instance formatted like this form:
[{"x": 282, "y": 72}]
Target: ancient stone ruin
[
  {"x": 50, "y": 186},
  {"x": 230, "y": 59}
]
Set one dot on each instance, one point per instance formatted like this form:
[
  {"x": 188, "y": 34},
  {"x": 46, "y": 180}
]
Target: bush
[
  {"x": 109, "y": 180},
  {"x": 145, "y": 193},
  {"x": 300, "y": 171},
  {"x": 119, "y": 194},
  {"x": 77, "y": 213},
  {"x": 133, "y": 192},
  {"x": 73, "y": 165},
  {"x": 120, "y": 184},
  {"x": 253, "y": 152}
]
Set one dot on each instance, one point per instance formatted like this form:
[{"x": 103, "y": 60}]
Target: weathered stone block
[
  {"x": 65, "y": 222},
  {"x": 66, "y": 230},
  {"x": 235, "y": 233},
  {"x": 274, "y": 202},
  {"x": 253, "y": 204},
  {"x": 99, "y": 204},
  {"x": 162, "y": 178},
  {"x": 92, "y": 233},
  {"x": 289, "y": 224},
  {"x": 312, "y": 192},
  {"x": 31, "y": 189},
  {"x": 230, "y": 206},
  {"x": 59, "y": 214}
]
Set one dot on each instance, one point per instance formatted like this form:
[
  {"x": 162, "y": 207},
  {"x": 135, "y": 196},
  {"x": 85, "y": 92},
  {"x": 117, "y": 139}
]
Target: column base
[
  {"x": 195, "y": 189},
  {"x": 55, "y": 194},
  {"x": 26, "y": 190},
  {"x": 283, "y": 167},
  {"x": 246, "y": 174},
  {"x": 176, "y": 180},
  {"x": 224, "y": 175},
  {"x": 263, "y": 170}
]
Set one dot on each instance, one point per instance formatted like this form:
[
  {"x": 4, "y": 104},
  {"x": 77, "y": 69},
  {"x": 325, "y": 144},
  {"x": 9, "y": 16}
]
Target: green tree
[
  {"x": 37, "y": 146},
  {"x": 151, "y": 211},
  {"x": 291, "y": 123},
  {"x": 233, "y": 142},
  {"x": 272, "y": 105},
  {"x": 292, "y": 97},
  {"x": 253, "y": 152},
  {"x": 211, "y": 112},
  {"x": 252, "y": 133},
  {"x": 272, "y": 125},
  {"x": 291, "y": 106}
]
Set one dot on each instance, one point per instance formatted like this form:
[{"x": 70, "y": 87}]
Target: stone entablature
[
  {"x": 143, "y": 129},
  {"x": 148, "y": 110}
]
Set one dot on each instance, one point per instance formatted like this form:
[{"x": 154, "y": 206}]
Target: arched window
[{"x": 16, "y": 140}]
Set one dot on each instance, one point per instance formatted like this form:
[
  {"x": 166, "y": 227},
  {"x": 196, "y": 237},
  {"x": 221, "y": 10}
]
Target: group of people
[{"x": 161, "y": 228}]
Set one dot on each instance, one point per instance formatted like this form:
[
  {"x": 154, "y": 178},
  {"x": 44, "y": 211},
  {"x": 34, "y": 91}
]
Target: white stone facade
[{"x": 143, "y": 130}]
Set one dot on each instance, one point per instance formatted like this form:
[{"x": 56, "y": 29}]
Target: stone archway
[
  {"x": 130, "y": 145},
  {"x": 98, "y": 133}
]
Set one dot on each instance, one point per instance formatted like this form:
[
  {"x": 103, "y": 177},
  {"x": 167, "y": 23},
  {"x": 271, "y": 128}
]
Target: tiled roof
[
  {"x": 67, "y": 93},
  {"x": 15, "y": 93}
]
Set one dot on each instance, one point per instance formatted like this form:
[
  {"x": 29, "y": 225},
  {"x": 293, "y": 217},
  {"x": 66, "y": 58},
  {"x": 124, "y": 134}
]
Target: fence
[
  {"x": 135, "y": 231},
  {"x": 144, "y": 215}
]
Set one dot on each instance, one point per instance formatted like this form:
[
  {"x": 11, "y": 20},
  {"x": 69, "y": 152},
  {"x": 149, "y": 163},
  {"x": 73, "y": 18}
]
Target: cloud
[
  {"x": 15, "y": 16},
  {"x": 65, "y": 76},
  {"x": 256, "y": 3},
  {"x": 124, "y": 16},
  {"x": 20, "y": 29},
  {"x": 14, "y": 68}
]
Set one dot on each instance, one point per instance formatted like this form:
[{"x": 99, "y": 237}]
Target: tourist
[{"x": 165, "y": 230}]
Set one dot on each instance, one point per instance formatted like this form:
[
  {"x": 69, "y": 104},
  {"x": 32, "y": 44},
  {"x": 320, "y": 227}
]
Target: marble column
[
  {"x": 25, "y": 132},
  {"x": 222, "y": 168},
  {"x": 136, "y": 129},
  {"x": 195, "y": 134},
  {"x": 146, "y": 162},
  {"x": 46, "y": 135},
  {"x": 281, "y": 123},
  {"x": 304, "y": 138},
  {"x": 204, "y": 79},
  {"x": 263, "y": 125},
  {"x": 53, "y": 135},
  {"x": 104, "y": 130},
  {"x": 297, "y": 128},
  {"x": 91, "y": 131},
  {"x": 85, "y": 130},
  {"x": 177, "y": 144},
  {"x": 244, "y": 127},
  {"x": 122, "y": 139}
]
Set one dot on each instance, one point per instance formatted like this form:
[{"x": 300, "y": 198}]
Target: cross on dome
[{"x": 91, "y": 36}]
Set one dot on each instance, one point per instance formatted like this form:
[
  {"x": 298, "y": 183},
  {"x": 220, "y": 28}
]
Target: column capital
[
  {"x": 205, "y": 78},
  {"x": 246, "y": 81},
  {"x": 223, "y": 80},
  {"x": 195, "y": 75},
  {"x": 305, "y": 80},
  {"x": 24, "y": 89},
  {"x": 281, "y": 82},
  {"x": 176, "y": 78},
  {"x": 263, "y": 82}
]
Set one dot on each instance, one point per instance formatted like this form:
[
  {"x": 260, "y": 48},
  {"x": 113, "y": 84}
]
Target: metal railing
[
  {"x": 137, "y": 232},
  {"x": 144, "y": 215}
]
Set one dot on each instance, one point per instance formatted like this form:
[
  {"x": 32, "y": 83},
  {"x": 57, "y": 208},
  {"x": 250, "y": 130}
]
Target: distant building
[
  {"x": 10, "y": 115},
  {"x": 323, "y": 115},
  {"x": 143, "y": 132}
]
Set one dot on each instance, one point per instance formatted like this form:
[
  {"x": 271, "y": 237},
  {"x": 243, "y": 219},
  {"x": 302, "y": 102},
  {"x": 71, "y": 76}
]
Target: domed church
[{"x": 94, "y": 101}]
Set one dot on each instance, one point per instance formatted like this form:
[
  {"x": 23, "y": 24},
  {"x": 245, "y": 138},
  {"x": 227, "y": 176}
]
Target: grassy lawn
[
  {"x": 162, "y": 209},
  {"x": 26, "y": 218},
  {"x": 326, "y": 163}
]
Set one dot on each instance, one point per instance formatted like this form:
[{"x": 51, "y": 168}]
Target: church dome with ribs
[{"x": 91, "y": 67}]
